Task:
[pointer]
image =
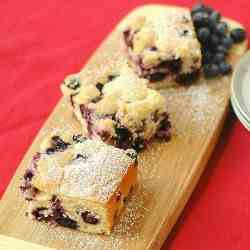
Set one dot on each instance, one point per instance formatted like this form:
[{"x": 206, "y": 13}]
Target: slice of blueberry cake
[
  {"x": 121, "y": 110},
  {"x": 163, "y": 46},
  {"x": 79, "y": 184}
]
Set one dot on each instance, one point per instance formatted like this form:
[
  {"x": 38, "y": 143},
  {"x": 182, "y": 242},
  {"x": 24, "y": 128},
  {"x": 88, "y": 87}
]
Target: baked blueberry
[
  {"x": 81, "y": 156},
  {"x": 28, "y": 175},
  {"x": 175, "y": 65},
  {"x": 238, "y": 35},
  {"x": 73, "y": 83},
  {"x": 89, "y": 218},
  {"x": 157, "y": 77},
  {"x": 187, "y": 78},
  {"x": 66, "y": 222},
  {"x": 58, "y": 144},
  {"x": 78, "y": 138},
  {"x": 111, "y": 77},
  {"x": 50, "y": 151},
  {"x": 132, "y": 155},
  {"x": 99, "y": 86},
  {"x": 184, "y": 32},
  {"x": 138, "y": 144},
  {"x": 154, "y": 48},
  {"x": 122, "y": 132},
  {"x": 211, "y": 70}
]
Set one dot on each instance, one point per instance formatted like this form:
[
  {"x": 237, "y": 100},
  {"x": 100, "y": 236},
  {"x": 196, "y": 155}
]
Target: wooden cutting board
[{"x": 168, "y": 172}]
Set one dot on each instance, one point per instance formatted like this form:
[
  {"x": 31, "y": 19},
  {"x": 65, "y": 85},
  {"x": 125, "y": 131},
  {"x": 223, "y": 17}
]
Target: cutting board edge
[{"x": 166, "y": 226}]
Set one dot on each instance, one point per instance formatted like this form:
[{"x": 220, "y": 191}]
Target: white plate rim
[{"x": 237, "y": 80}]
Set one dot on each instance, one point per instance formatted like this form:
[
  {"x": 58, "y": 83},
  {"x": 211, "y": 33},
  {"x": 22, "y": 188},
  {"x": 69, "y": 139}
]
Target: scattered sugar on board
[{"x": 199, "y": 103}]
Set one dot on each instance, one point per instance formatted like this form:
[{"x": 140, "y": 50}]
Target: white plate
[
  {"x": 240, "y": 88},
  {"x": 236, "y": 104},
  {"x": 245, "y": 123}
]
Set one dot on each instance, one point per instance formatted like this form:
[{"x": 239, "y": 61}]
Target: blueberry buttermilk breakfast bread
[
  {"x": 171, "y": 46},
  {"x": 118, "y": 109},
  {"x": 79, "y": 184},
  {"x": 163, "y": 46}
]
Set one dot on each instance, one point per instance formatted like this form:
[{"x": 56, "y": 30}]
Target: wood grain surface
[
  {"x": 168, "y": 172},
  {"x": 14, "y": 244}
]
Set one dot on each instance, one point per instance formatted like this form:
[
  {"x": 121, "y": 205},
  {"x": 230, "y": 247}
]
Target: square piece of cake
[
  {"x": 80, "y": 184},
  {"x": 162, "y": 45},
  {"x": 119, "y": 108}
]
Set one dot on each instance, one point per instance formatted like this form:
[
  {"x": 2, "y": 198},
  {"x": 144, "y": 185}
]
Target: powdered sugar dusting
[
  {"x": 54, "y": 172},
  {"x": 87, "y": 170},
  {"x": 98, "y": 176}
]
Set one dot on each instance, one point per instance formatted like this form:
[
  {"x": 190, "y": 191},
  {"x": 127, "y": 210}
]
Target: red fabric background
[{"x": 42, "y": 41}]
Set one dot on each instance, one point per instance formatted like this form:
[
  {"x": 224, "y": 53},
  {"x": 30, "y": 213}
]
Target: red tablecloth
[{"x": 42, "y": 41}]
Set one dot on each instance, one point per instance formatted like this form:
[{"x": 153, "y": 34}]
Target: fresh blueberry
[
  {"x": 214, "y": 18},
  {"x": 200, "y": 19},
  {"x": 218, "y": 57},
  {"x": 221, "y": 48},
  {"x": 211, "y": 70},
  {"x": 214, "y": 39},
  {"x": 238, "y": 35},
  {"x": 227, "y": 42},
  {"x": 203, "y": 34},
  {"x": 199, "y": 7},
  {"x": 221, "y": 28},
  {"x": 208, "y": 9},
  {"x": 206, "y": 56},
  {"x": 225, "y": 68}
]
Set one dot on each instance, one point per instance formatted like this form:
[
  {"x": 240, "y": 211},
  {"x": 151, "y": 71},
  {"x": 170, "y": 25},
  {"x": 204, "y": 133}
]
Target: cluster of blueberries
[{"x": 215, "y": 38}]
